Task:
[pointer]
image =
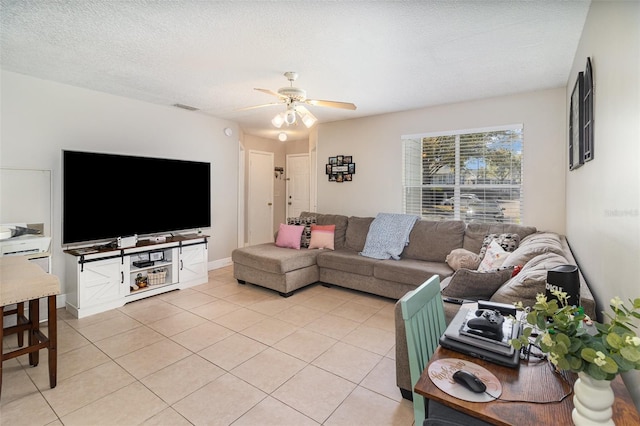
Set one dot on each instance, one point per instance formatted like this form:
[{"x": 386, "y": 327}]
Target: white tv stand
[{"x": 103, "y": 279}]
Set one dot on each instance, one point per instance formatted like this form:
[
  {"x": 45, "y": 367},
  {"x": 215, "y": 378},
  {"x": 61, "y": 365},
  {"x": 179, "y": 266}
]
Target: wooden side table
[
  {"x": 22, "y": 281},
  {"x": 533, "y": 381}
]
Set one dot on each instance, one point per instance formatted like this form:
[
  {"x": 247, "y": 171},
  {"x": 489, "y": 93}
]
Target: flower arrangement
[{"x": 572, "y": 343}]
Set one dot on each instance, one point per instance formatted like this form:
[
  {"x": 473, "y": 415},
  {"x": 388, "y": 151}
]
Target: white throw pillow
[{"x": 493, "y": 258}]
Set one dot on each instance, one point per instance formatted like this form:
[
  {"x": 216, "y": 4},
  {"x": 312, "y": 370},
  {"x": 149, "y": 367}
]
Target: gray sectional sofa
[
  {"x": 285, "y": 270},
  {"x": 430, "y": 242}
]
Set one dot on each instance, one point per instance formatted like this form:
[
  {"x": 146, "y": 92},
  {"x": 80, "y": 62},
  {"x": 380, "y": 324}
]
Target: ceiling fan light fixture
[
  {"x": 278, "y": 120},
  {"x": 309, "y": 120},
  {"x": 282, "y": 136},
  {"x": 290, "y": 116}
]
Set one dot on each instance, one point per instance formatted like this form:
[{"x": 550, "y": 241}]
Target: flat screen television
[{"x": 105, "y": 196}]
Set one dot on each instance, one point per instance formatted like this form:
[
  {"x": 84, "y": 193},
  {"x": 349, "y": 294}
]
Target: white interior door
[
  {"x": 298, "y": 184},
  {"x": 260, "y": 198}
]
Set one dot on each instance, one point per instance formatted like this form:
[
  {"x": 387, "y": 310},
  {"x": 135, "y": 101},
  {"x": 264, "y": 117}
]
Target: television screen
[{"x": 106, "y": 196}]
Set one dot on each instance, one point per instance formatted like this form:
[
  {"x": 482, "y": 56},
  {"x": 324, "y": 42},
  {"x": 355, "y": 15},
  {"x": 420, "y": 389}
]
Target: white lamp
[
  {"x": 278, "y": 120},
  {"x": 282, "y": 136},
  {"x": 309, "y": 120},
  {"x": 290, "y": 116}
]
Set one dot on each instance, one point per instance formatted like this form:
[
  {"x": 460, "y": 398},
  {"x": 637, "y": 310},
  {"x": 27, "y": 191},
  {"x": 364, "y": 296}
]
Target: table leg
[
  {"x": 34, "y": 327},
  {"x": 53, "y": 342},
  {"x": 20, "y": 309}
]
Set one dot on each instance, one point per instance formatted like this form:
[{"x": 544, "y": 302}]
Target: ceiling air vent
[{"x": 187, "y": 107}]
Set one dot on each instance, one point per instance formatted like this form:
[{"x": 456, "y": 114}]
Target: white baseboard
[{"x": 219, "y": 263}]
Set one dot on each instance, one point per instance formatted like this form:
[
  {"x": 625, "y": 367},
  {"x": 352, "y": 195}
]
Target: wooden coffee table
[{"x": 533, "y": 381}]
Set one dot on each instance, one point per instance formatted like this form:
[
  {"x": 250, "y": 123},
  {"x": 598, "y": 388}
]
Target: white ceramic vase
[{"x": 592, "y": 400}]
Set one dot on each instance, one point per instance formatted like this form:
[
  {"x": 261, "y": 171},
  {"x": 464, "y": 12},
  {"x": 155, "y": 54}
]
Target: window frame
[{"x": 457, "y": 187}]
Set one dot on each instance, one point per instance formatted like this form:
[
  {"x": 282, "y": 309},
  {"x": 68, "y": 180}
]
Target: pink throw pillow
[
  {"x": 289, "y": 236},
  {"x": 322, "y": 236}
]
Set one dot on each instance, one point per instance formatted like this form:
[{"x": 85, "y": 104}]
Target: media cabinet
[{"x": 102, "y": 279}]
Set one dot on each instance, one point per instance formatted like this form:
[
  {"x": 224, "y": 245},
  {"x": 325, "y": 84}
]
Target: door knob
[{"x": 269, "y": 204}]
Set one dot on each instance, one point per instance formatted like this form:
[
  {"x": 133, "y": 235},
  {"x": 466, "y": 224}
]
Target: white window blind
[{"x": 473, "y": 175}]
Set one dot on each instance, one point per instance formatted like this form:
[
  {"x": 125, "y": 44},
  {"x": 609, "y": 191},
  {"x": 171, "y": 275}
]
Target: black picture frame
[
  {"x": 340, "y": 168},
  {"x": 587, "y": 109},
  {"x": 576, "y": 124}
]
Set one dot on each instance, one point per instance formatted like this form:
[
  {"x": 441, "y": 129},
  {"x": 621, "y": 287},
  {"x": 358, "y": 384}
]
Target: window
[{"x": 471, "y": 175}]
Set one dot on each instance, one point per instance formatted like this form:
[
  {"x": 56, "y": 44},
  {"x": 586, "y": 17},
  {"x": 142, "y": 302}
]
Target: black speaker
[{"x": 564, "y": 278}]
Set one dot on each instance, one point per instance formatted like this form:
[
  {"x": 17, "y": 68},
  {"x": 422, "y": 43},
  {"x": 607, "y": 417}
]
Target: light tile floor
[{"x": 217, "y": 354}]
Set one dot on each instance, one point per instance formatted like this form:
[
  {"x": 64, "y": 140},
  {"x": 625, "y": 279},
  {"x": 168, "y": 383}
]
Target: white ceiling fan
[{"x": 293, "y": 98}]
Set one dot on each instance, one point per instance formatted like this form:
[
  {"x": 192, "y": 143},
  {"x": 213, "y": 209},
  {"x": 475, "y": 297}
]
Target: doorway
[
  {"x": 298, "y": 184},
  {"x": 260, "y": 198}
]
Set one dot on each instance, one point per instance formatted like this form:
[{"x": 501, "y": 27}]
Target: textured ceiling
[{"x": 384, "y": 56}]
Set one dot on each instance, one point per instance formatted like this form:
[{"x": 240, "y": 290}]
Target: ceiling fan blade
[
  {"x": 331, "y": 104},
  {"x": 270, "y": 92},
  {"x": 302, "y": 110},
  {"x": 257, "y": 106}
]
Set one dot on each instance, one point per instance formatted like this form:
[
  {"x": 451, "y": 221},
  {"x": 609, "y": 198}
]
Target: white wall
[
  {"x": 603, "y": 196},
  {"x": 374, "y": 143},
  {"x": 40, "y": 118}
]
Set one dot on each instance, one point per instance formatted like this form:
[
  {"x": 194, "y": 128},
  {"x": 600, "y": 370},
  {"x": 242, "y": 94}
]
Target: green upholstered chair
[{"x": 423, "y": 315}]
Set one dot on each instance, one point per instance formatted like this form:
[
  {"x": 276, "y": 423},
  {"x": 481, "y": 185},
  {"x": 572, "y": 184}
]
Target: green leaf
[
  {"x": 576, "y": 344},
  {"x": 610, "y": 366},
  {"x": 623, "y": 364},
  {"x": 630, "y": 353},
  {"x": 595, "y": 372},
  {"x": 563, "y": 339},
  {"x": 601, "y": 328},
  {"x": 588, "y": 354},
  {"x": 575, "y": 363},
  {"x": 563, "y": 364},
  {"x": 614, "y": 340}
]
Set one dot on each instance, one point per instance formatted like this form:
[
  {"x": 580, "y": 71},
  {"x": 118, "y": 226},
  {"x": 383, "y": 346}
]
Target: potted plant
[{"x": 598, "y": 352}]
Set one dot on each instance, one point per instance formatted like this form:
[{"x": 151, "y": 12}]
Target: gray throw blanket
[{"x": 388, "y": 235}]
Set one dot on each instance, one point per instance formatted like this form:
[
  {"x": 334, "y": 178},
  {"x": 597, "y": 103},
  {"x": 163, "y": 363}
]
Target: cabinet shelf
[
  {"x": 147, "y": 288},
  {"x": 157, "y": 265}
]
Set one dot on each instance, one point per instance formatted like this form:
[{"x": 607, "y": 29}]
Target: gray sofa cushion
[
  {"x": 474, "y": 285},
  {"x": 433, "y": 240},
  {"x": 270, "y": 258},
  {"x": 475, "y": 233},
  {"x": 530, "y": 281},
  {"x": 332, "y": 219},
  {"x": 347, "y": 261},
  {"x": 410, "y": 271},
  {"x": 356, "y": 234},
  {"x": 534, "y": 245}
]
